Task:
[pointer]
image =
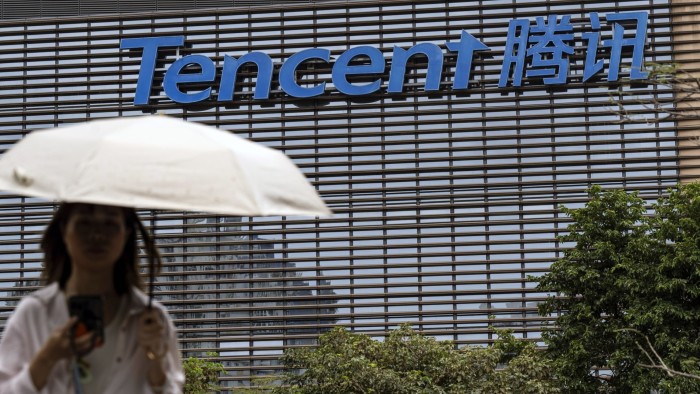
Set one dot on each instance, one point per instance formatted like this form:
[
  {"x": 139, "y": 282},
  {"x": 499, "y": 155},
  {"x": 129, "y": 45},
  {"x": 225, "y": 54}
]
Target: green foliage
[
  {"x": 627, "y": 269},
  {"x": 409, "y": 363},
  {"x": 260, "y": 385},
  {"x": 662, "y": 72},
  {"x": 201, "y": 375}
]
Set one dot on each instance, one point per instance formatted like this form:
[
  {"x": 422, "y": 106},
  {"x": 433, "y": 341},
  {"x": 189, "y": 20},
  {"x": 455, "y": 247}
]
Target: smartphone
[{"x": 90, "y": 312}]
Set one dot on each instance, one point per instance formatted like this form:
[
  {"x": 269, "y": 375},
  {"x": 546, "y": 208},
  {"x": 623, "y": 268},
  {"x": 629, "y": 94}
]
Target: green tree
[
  {"x": 629, "y": 276},
  {"x": 202, "y": 375},
  {"x": 409, "y": 363}
]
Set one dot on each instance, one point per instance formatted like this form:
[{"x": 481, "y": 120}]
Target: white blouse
[
  {"x": 101, "y": 358},
  {"x": 45, "y": 310}
]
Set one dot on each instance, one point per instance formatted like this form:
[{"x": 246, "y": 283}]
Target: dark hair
[{"x": 57, "y": 261}]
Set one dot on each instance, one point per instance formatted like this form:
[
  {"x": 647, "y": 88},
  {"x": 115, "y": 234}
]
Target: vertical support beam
[{"x": 686, "y": 46}]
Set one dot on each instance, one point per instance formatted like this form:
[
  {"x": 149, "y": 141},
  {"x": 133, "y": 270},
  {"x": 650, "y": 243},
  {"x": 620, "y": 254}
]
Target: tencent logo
[{"x": 539, "y": 51}]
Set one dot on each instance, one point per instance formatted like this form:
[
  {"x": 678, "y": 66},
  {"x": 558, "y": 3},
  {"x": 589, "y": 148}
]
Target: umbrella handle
[
  {"x": 153, "y": 257},
  {"x": 151, "y": 279}
]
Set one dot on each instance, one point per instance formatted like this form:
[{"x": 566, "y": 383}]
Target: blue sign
[{"x": 539, "y": 51}]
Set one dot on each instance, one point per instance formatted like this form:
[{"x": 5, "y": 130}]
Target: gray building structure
[{"x": 445, "y": 201}]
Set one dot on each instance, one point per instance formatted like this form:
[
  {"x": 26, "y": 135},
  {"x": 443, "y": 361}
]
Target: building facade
[{"x": 443, "y": 134}]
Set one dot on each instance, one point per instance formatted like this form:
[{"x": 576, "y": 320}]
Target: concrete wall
[{"x": 686, "y": 47}]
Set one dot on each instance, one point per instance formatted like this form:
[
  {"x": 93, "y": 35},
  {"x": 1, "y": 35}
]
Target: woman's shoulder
[
  {"x": 35, "y": 304},
  {"x": 44, "y": 296},
  {"x": 47, "y": 293},
  {"x": 139, "y": 300}
]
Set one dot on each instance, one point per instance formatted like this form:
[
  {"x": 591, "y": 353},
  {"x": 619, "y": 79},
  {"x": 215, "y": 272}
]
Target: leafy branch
[
  {"x": 683, "y": 103},
  {"x": 656, "y": 362}
]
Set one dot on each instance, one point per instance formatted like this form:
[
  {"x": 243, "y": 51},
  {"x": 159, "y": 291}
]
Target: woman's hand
[
  {"x": 55, "y": 349},
  {"x": 152, "y": 341},
  {"x": 151, "y": 334}
]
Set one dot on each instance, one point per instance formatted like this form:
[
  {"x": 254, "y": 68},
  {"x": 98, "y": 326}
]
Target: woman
[{"x": 90, "y": 250}]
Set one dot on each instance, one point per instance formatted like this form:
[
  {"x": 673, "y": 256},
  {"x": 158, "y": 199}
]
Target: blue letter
[
  {"x": 618, "y": 41},
  {"x": 150, "y": 47},
  {"x": 230, "y": 71},
  {"x": 341, "y": 69},
  {"x": 551, "y": 39},
  {"x": 591, "y": 66},
  {"x": 398, "y": 66},
  {"x": 173, "y": 77},
  {"x": 287, "y": 77},
  {"x": 465, "y": 48},
  {"x": 513, "y": 55}
]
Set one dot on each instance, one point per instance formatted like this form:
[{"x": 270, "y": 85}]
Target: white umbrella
[{"x": 158, "y": 162}]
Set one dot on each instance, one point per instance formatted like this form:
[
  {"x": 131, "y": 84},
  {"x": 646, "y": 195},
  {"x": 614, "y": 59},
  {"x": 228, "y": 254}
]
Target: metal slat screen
[{"x": 444, "y": 202}]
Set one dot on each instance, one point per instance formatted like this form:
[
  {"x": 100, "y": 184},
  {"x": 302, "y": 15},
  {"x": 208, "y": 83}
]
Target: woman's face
[{"x": 95, "y": 236}]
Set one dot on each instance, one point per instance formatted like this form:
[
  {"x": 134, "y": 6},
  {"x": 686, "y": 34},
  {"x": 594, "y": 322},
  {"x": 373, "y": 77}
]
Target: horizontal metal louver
[
  {"x": 93, "y": 7},
  {"x": 14, "y": 9},
  {"x": 214, "y": 3},
  {"x": 165, "y": 5},
  {"x": 129, "y": 6},
  {"x": 58, "y": 8},
  {"x": 251, "y": 3}
]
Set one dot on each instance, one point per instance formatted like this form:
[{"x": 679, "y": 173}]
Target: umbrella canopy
[{"x": 158, "y": 162}]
